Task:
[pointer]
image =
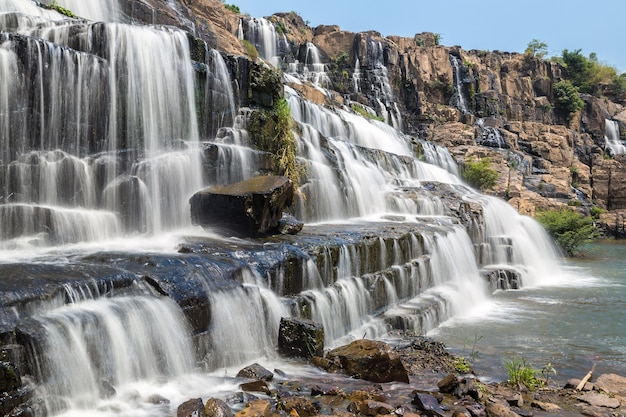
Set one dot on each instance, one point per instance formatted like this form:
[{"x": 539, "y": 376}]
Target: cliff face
[{"x": 475, "y": 103}]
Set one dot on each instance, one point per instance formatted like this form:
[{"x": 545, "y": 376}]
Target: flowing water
[
  {"x": 103, "y": 175},
  {"x": 571, "y": 322}
]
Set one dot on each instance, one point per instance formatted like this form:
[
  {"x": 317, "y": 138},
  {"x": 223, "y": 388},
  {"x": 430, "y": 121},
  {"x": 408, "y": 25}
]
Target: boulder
[
  {"x": 215, "y": 407},
  {"x": 428, "y": 405},
  {"x": 370, "y": 360},
  {"x": 300, "y": 338},
  {"x": 612, "y": 383},
  {"x": 597, "y": 399},
  {"x": 255, "y": 386},
  {"x": 247, "y": 208},
  {"x": 304, "y": 407},
  {"x": 257, "y": 408},
  {"x": 257, "y": 372},
  {"x": 191, "y": 408}
]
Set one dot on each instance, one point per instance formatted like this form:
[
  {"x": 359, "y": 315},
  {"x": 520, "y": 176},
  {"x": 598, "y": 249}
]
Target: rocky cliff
[{"x": 476, "y": 103}]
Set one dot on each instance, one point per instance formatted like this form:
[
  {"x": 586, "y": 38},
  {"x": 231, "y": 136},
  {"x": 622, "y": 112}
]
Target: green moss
[{"x": 361, "y": 110}]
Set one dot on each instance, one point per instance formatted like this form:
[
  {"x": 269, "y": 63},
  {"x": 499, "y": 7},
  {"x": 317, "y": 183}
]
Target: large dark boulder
[
  {"x": 370, "y": 360},
  {"x": 247, "y": 208},
  {"x": 300, "y": 338}
]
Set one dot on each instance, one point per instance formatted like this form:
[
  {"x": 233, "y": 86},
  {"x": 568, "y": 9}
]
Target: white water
[
  {"x": 137, "y": 161},
  {"x": 613, "y": 143},
  {"x": 458, "y": 99}
]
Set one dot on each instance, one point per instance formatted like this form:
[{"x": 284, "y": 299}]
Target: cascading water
[
  {"x": 98, "y": 139},
  {"x": 311, "y": 68},
  {"x": 612, "y": 140},
  {"x": 458, "y": 99}
]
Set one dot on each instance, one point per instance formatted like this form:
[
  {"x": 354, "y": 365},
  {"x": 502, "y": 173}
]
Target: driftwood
[{"x": 586, "y": 378}]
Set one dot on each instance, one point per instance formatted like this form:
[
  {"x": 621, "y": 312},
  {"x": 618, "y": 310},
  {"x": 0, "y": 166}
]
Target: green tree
[
  {"x": 569, "y": 228},
  {"x": 536, "y": 49},
  {"x": 479, "y": 173},
  {"x": 567, "y": 97}
]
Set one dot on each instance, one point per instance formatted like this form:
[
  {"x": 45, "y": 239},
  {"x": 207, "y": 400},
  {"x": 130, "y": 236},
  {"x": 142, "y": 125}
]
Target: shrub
[
  {"x": 569, "y": 228},
  {"x": 479, "y": 173},
  {"x": 567, "y": 97},
  {"x": 232, "y": 8},
  {"x": 66, "y": 12},
  {"x": 360, "y": 110}
]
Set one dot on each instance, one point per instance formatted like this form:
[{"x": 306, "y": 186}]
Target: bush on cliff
[
  {"x": 567, "y": 97},
  {"x": 569, "y": 228},
  {"x": 479, "y": 174}
]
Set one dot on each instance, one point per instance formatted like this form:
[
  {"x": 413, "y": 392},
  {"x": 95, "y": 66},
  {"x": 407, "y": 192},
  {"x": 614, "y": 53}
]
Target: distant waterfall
[
  {"x": 309, "y": 66},
  {"x": 262, "y": 34},
  {"x": 378, "y": 71},
  {"x": 458, "y": 99},
  {"x": 612, "y": 140}
]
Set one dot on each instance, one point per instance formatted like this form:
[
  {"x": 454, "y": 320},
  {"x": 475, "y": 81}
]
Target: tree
[
  {"x": 536, "y": 49},
  {"x": 569, "y": 228},
  {"x": 567, "y": 97},
  {"x": 479, "y": 173}
]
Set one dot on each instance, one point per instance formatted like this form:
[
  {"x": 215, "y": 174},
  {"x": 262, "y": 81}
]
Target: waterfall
[
  {"x": 383, "y": 91},
  {"x": 458, "y": 99},
  {"x": 489, "y": 135},
  {"x": 262, "y": 34},
  {"x": 309, "y": 67},
  {"x": 97, "y": 10},
  {"x": 102, "y": 125},
  {"x": 612, "y": 141},
  {"x": 94, "y": 350}
]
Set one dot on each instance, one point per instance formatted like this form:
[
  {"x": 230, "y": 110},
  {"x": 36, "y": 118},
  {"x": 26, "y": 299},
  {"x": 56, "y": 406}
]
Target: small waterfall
[
  {"x": 218, "y": 108},
  {"x": 97, "y": 10},
  {"x": 612, "y": 141},
  {"x": 490, "y": 135},
  {"x": 95, "y": 349},
  {"x": 309, "y": 67},
  {"x": 262, "y": 34},
  {"x": 378, "y": 73},
  {"x": 458, "y": 99},
  {"x": 356, "y": 76}
]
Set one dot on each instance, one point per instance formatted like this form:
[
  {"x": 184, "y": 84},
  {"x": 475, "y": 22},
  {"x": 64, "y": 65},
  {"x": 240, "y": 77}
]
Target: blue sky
[{"x": 506, "y": 25}]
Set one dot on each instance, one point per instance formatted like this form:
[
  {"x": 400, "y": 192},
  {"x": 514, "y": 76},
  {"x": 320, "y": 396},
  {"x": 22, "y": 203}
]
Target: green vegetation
[
  {"x": 479, "y": 173},
  {"x": 522, "y": 374},
  {"x": 272, "y": 131},
  {"x": 361, "y": 110},
  {"x": 536, "y": 49},
  {"x": 462, "y": 365},
  {"x": 437, "y": 38},
  {"x": 567, "y": 97},
  {"x": 66, "y": 12},
  {"x": 281, "y": 29},
  {"x": 591, "y": 76},
  {"x": 569, "y": 228},
  {"x": 232, "y": 7},
  {"x": 251, "y": 51}
]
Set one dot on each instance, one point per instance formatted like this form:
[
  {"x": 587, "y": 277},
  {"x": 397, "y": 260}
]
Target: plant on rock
[
  {"x": 567, "y": 97},
  {"x": 569, "y": 228},
  {"x": 479, "y": 173},
  {"x": 522, "y": 374}
]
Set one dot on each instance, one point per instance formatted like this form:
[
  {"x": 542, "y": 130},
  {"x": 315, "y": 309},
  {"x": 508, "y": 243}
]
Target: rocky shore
[{"x": 434, "y": 388}]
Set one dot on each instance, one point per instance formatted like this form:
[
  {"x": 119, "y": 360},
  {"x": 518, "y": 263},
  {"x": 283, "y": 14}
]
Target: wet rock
[
  {"x": 612, "y": 383},
  {"x": 247, "y": 208},
  {"x": 255, "y": 371},
  {"x": 301, "y": 338},
  {"x": 374, "y": 408},
  {"x": 497, "y": 409},
  {"x": 597, "y": 399},
  {"x": 157, "y": 399},
  {"x": 428, "y": 405},
  {"x": 191, "y": 408},
  {"x": 515, "y": 400},
  {"x": 215, "y": 407},
  {"x": 255, "y": 386},
  {"x": 323, "y": 389},
  {"x": 370, "y": 360},
  {"x": 257, "y": 408},
  {"x": 289, "y": 225},
  {"x": 448, "y": 384},
  {"x": 304, "y": 407},
  {"x": 573, "y": 383},
  {"x": 544, "y": 406},
  {"x": 9, "y": 378}
]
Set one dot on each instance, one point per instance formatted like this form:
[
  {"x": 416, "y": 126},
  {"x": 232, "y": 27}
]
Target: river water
[{"x": 569, "y": 322}]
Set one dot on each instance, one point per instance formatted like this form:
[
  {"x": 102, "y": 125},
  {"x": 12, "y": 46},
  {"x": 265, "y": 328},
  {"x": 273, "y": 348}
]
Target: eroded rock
[{"x": 301, "y": 338}]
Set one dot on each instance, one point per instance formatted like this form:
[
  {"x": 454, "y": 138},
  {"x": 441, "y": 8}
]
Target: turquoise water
[{"x": 570, "y": 322}]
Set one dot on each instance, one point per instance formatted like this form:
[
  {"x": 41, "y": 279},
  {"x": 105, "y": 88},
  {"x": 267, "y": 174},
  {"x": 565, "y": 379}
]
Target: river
[{"x": 570, "y": 323}]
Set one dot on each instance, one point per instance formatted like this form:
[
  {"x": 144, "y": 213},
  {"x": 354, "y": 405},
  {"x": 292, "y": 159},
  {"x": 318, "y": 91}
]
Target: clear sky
[{"x": 506, "y": 25}]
